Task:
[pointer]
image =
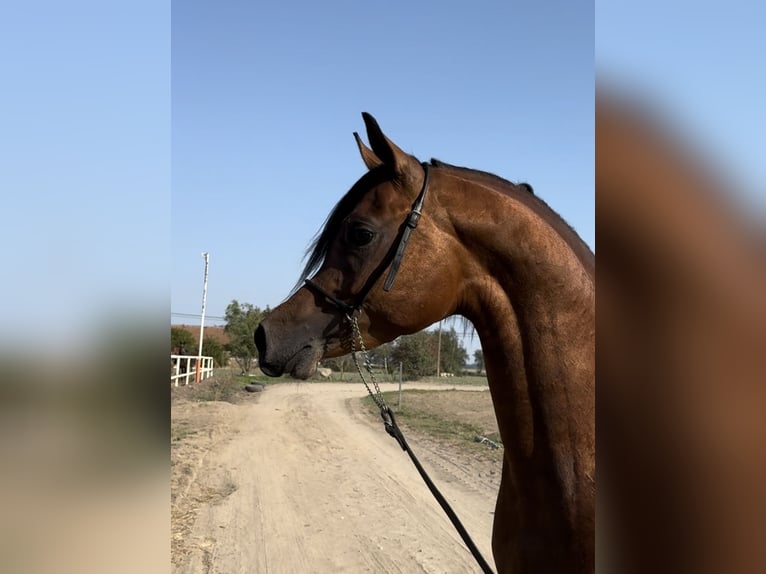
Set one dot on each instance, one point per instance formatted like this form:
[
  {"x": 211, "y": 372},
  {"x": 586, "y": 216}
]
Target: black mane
[
  {"x": 317, "y": 251},
  {"x": 535, "y": 203},
  {"x": 438, "y": 163},
  {"x": 320, "y": 245}
]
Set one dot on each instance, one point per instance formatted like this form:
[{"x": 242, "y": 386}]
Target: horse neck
[{"x": 532, "y": 302}]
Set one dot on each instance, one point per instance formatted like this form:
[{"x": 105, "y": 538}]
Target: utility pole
[
  {"x": 439, "y": 352},
  {"x": 206, "y": 255}
]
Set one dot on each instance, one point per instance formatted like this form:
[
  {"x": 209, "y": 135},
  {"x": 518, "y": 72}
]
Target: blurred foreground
[
  {"x": 681, "y": 354},
  {"x": 84, "y": 440}
]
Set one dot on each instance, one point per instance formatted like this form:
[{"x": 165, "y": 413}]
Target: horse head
[{"x": 355, "y": 261}]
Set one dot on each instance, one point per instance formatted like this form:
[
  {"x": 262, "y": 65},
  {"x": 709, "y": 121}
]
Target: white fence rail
[{"x": 184, "y": 368}]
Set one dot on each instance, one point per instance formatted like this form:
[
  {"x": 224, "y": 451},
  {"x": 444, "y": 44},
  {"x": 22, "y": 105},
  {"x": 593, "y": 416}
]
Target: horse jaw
[{"x": 304, "y": 363}]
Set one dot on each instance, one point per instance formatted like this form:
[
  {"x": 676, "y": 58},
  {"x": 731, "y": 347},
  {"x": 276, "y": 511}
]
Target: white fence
[{"x": 184, "y": 368}]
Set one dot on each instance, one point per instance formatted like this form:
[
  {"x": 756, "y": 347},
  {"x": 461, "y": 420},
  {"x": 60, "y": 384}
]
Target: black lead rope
[
  {"x": 389, "y": 423},
  {"x": 393, "y": 429}
]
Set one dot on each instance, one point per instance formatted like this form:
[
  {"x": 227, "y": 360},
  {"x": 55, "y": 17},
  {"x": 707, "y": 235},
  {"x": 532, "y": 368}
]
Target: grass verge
[
  {"x": 224, "y": 385},
  {"x": 453, "y": 417}
]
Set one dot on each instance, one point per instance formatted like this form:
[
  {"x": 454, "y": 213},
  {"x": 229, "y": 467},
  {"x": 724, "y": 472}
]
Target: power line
[{"x": 196, "y": 316}]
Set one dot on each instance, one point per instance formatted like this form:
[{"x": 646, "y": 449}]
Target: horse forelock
[{"x": 320, "y": 244}]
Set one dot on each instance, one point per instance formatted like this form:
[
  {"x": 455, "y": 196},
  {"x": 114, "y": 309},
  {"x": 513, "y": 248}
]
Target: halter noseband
[{"x": 393, "y": 257}]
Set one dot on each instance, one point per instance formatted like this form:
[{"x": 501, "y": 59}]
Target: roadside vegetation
[
  {"x": 416, "y": 357},
  {"x": 225, "y": 385},
  {"x": 453, "y": 417}
]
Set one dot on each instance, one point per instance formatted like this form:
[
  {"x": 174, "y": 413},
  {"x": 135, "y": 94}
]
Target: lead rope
[{"x": 389, "y": 422}]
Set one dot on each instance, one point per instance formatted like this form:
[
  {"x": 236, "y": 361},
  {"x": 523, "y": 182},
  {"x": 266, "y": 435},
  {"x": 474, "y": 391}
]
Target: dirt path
[{"x": 302, "y": 482}]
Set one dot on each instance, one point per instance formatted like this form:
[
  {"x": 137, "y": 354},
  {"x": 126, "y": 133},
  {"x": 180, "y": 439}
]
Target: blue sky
[
  {"x": 84, "y": 167},
  {"x": 702, "y": 65},
  {"x": 266, "y": 97},
  {"x": 257, "y": 133}
]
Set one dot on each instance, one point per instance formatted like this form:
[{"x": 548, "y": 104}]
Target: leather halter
[{"x": 393, "y": 257}]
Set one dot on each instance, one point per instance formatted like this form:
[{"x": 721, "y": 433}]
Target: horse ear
[
  {"x": 368, "y": 156},
  {"x": 388, "y": 152}
]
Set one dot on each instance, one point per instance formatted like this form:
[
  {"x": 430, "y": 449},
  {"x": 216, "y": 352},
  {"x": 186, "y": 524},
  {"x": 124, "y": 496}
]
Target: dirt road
[{"x": 302, "y": 481}]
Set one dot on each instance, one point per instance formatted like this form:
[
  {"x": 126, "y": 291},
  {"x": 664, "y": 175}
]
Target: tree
[
  {"x": 182, "y": 341},
  {"x": 478, "y": 358},
  {"x": 339, "y": 363},
  {"x": 416, "y": 353},
  {"x": 241, "y": 322},
  {"x": 381, "y": 355},
  {"x": 212, "y": 348},
  {"x": 453, "y": 355}
]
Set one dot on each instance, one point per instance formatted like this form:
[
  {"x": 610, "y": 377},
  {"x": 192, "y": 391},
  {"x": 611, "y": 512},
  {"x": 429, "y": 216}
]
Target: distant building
[{"x": 213, "y": 331}]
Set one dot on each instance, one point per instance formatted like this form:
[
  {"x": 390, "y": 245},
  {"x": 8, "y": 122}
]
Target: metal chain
[{"x": 377, "y": 396}]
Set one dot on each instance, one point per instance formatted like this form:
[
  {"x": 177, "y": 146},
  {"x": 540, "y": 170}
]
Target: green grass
[
  {"x": 462, "y": 380},
  {"x": 352, "y": 376},
  {"x": 443, "y": 415},
  {"x": 468, "y": 380}
]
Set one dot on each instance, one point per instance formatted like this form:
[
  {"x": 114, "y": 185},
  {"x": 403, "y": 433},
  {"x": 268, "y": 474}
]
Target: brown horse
[
  {"x": 493, "y": 252},
  {"x": 682, "y": 352}
]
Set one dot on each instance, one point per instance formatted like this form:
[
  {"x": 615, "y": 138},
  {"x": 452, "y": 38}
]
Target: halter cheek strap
[
  {"x": 344, "y": 307},
  {"x": 410, "y": 224},
  {"x": 395, "y": 257}
]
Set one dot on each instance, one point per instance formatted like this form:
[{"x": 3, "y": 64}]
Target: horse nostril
[{"x": 260, "y": 339}]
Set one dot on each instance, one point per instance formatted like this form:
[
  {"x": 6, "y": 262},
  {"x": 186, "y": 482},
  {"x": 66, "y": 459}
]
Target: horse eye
[{"x": 359, "y": 236}]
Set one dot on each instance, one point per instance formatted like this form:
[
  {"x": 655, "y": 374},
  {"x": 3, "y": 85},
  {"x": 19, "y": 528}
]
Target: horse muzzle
[{"x": 280, "y": 355}]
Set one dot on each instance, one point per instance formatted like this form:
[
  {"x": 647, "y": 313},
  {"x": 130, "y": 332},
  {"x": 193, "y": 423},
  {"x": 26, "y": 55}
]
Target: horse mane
[
  {"x": 491, "y": 176},
  {"x": 530, "y": 200},
  {"x": 320, "y": 244}
]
